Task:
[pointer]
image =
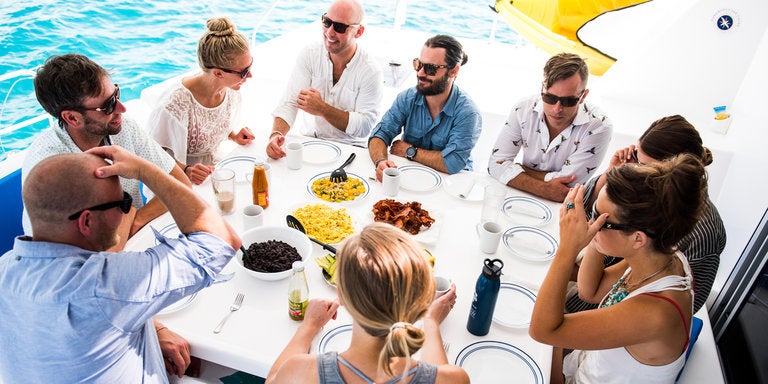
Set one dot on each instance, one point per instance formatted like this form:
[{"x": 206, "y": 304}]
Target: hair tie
[{"x": 399, "y": 324}]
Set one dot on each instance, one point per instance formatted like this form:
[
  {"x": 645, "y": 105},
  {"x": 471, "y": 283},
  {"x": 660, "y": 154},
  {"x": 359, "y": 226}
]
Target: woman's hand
[
  {"x": 442, "y": 306},
  {"x": 575, "y": 231},
  {"x": 198, "y": 173},
  {"x": 244, "y": 137},
  {"x": 623, "y": 156}
]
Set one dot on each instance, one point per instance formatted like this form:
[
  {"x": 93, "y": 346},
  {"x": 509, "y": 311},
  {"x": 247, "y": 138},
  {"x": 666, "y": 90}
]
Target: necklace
[{"x": 620, "y": 290}]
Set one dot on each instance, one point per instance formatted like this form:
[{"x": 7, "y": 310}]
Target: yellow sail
[{"x": 552, "y": 25}]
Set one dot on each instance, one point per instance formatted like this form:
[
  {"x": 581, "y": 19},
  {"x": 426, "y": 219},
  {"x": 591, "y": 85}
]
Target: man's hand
[
  {"x": 198, "y": 173},
  {"x": 384, "y": 164},
  {"x": 275, "y": 147},
  {"x": 175, "y": 351},
  {"x": 398, "y": 147},
  {"x": 124, "y": 164},
  {"x": 559, "y": 187},
  {"x": 310, "y": 101},
  {"x": 244, "y": 137}
]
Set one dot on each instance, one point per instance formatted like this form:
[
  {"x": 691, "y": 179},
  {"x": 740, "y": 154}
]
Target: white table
[{"x": 255, "y": 335}]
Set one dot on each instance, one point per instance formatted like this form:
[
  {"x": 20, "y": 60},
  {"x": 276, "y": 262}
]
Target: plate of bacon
[{"x": 411, "y": 217}]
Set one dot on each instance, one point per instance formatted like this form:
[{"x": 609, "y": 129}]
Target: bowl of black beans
[{"x": 270, "y": 251}]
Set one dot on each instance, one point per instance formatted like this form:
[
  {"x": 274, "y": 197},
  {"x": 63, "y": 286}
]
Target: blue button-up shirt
[
  {"x": 454, "y": 132},
  {"x": 70, "y": 315}
]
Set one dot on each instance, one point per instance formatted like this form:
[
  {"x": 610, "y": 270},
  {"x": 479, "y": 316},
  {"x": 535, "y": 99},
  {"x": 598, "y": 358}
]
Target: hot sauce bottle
[{"x": 260, "y": 187}]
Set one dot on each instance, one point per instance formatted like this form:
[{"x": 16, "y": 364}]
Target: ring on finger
[{"x": 570, "y": 205}]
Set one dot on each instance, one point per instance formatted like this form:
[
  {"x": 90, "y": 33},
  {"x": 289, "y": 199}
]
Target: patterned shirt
[{"x": 578, "y": 150}]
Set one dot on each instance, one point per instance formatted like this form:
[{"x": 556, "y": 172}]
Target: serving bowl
[{"x": 287, "y": 235}]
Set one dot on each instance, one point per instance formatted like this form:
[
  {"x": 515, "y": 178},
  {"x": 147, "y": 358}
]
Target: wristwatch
[{"x": 410, "y": 153}]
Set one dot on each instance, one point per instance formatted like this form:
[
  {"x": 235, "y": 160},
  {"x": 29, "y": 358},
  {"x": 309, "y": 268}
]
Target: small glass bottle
[
  {"x": 484, "y": 301},
  {"x": 260, "y": 187},
  {"x": 298, "y": 292}
]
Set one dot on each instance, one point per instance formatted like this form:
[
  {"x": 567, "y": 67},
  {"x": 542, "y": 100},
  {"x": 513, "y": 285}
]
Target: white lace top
[{"x": 190, "y": 131}]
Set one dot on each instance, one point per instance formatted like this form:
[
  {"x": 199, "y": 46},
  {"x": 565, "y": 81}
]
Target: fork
[
  {"x": 339, "y": 174},
  {"x": 234, "y": 307}
]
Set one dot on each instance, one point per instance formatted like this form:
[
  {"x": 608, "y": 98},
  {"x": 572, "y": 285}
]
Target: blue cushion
[
  {"x": 10, "y": 196},
  {"x": 696, "y": 325}
]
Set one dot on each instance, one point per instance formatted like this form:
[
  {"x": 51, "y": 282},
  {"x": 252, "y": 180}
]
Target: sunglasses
[
  {"x": 124, "y": 204},
  {"x": 109, "y": 105},
  {"x": 340, "y": 28},
  {"x": 243, "y": 74},
  {"x": 565, "y": 101},
  {"x": 607, "y": 225},
  {"x": 429, "y": 69}
]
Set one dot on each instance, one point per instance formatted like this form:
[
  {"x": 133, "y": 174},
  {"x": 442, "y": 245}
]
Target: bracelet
[
  {"x": 275, "y": 132},
  {"x": 160, "y": 329},
  {"x": 185, "y": 168},
  {"x": 376, "y": 163}
]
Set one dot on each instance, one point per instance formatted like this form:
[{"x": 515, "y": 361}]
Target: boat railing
[{"x": 17, "y": 76}]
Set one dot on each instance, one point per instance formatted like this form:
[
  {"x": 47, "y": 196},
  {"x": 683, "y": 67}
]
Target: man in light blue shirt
[
  {"x": 439, "y": 122},
  {"x": 73, "y": 312}
]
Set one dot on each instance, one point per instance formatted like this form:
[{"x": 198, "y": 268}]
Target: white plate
[
  {"x": 426, "y": 236},
  {"x": 530, "y": 243},
  {"x": 417, "y": 178},
  {"x": 242, "y": 165},
  {"x": 171, "y": 230},
  {"x": 466, "y": 183},
  {"x": 328, "y": 174},
  {"x": 337, "y": 339},
  {"x": 525, "y": 210},
  {"x": 498, "y": 362},
  {"x": 179, "y": 305},
  {"x": 514, "y": 306},
  {"x": 320, "y": 152}
]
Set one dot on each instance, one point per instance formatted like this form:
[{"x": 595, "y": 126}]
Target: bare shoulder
[
  {"x": 298, "y": 369},
  {"x": 451, "y": 374}
]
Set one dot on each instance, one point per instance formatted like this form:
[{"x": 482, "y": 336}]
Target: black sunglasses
[
  {"x": 429, "y": 69},
  {"x": 109, "y": 105},
  {"x": 243, "y": 74},
  {"x": 565, "y": 101},
  {"x": 124, "y": 204},
  {"x": 607, "y": 225},
  {"x": 340, "y": 28}
]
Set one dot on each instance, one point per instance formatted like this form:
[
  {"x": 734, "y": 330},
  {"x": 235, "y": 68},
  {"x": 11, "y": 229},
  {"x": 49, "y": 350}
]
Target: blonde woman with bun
[
  {"x": 386, "y": 284},
  {"x": 196, "y": 115}
]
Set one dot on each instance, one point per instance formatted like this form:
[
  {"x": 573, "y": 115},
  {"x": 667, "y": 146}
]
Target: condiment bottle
[
  {"x": 260, "y": 187},
  {"x": 484, "y": 301},
  {"x": 298, "y": 292}
]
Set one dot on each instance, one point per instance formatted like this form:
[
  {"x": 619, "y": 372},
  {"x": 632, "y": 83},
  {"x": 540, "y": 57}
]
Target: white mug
[
  {"x": 490, "y": 235},
  {"x": 442, "y": 286},
  {"x": 253, "y": 216},
  {"x": 390, "y": 180},
  {"x": 293, "y": 153}
]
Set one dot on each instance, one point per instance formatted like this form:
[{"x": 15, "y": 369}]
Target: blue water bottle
[{"x": 484, "y": 301}]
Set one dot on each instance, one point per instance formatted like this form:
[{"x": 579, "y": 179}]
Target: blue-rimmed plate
[
  {"x": 179, "y": 305},
  {"x": 491, "y": 361},
  {"x": 171, "y": 230},
  {"x": 530, "y": 243},
  {"x": 515, "y": 306},
  {"x": 326, "y": 175},
  {"x": 242, "y": 165},
  {"x": 418, "y": 178},
  {"x": 337, "y": 339},
  {"x": 320, "y": 152},
  {"x": 523, "y": 210}
]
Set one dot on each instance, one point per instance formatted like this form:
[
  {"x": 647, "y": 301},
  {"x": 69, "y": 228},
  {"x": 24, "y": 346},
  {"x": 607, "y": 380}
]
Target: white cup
[
  {"x": 253, "y": 216},
  {"x": 391, "y": 181},
  {"x": 489, "y": 234},
  {"x": 293, "y": 152},
  {"x": 493, "y": 198},
  {"x": 442, "y": 285}
]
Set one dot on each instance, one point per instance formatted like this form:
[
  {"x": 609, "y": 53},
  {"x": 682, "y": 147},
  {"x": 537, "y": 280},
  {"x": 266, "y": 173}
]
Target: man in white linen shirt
[
  {"x": 335, "y": 82},
  {"x": 563, "y": 139}
]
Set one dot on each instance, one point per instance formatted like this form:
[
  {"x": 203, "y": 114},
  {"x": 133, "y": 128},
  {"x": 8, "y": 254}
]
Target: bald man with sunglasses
[
  {"x": 335, "y": 84},
  {"x": 563, "y": 138}
]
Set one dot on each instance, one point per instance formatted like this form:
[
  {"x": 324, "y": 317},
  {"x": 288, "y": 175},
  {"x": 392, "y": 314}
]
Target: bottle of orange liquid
[{"x": 260, "y": 187}]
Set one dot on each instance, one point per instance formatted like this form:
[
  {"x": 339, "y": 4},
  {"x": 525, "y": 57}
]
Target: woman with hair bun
[
  {"x": 386, "y": 284},
  {"x": 702, "y": 246},
  {"x": 640, "y": 332},
  {"x": 201, "y": 111}
]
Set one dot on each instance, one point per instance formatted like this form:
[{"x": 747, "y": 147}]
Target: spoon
[
  {"x": 339, "y": 174},
  {"x": 294, "y": 223}
]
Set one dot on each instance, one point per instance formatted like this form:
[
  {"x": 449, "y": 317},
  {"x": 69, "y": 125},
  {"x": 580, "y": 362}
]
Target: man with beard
[
  {"x": 335, "y": 83},
  {"x": 439, "y": 122},
  {"x": 81, "y": 95},
  {"x": 563, "y": 139}
]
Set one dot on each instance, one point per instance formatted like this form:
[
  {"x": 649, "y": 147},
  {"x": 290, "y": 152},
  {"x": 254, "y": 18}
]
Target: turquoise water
[{"x": 143, "y": 42}]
